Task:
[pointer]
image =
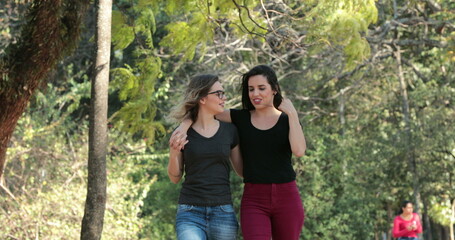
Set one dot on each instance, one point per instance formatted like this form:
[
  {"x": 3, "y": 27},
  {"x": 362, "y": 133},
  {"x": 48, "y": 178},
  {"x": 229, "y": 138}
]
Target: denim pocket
[
  {"x": 184, "y": 208},
  {"x": 227, "y": 208}
]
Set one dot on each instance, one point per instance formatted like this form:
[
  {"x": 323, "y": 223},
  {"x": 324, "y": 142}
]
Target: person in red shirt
[{"x": 407, "y": 225}]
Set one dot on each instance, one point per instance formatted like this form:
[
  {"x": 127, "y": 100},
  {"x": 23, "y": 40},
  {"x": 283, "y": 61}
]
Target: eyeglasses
[{"x": 219, "y": 93}]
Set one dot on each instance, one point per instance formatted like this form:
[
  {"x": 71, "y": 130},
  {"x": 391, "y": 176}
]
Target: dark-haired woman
[
  {"x": 269, "y": 132},
  {"x": 205, "y": 208},
  {"x": 407, "y": 225}
]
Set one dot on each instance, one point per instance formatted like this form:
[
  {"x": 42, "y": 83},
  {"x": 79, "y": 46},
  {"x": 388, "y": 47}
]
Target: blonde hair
[{"x": 198, "y": 88}]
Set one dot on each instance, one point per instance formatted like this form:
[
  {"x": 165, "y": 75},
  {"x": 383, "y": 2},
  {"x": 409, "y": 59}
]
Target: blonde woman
[{"x": 205, "y": 208}]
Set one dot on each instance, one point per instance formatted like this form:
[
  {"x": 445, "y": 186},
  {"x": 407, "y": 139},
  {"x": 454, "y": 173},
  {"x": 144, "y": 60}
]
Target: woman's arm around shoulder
[
  {"x": 225, "y": 116},
  {"x": 178, "y": 137},
  {"x": 236, "y": 160}
]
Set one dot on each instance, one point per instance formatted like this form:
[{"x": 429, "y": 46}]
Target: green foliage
[
  {"x": 122, "y": 34},
  {"x": 200, "y": 22},
  {"x": 159, "y": 197},
  {"x": 39, "y": 187},
  {"x": 442, "y": 211},
  {"x": 53, "y": 205},
  {"x": 135, "y": 82},
  {"x": 185, "y": 37},
  {"x": 25, "y": 218},
  {"x": 47, "y": 200},
  {"x": 137, "y": 87},
  {"x": 342, "y": 23}
]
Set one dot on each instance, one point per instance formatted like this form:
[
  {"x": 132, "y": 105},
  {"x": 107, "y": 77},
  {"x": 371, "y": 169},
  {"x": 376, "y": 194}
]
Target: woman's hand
[
  {"x": 296, "y": 137},
  {"x": 178, "y": 139},
  {"x": 287, "y": 107},
  {"x": 412, "y": 227}
]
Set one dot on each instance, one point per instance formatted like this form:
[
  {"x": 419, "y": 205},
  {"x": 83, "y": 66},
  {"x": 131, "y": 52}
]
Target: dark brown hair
[{"x": 270, "y": 75}]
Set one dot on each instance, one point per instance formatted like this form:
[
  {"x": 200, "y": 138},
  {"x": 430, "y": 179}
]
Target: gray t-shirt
[{"x": 207, "y": 167}]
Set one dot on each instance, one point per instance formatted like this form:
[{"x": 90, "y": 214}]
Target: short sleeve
[
  {"x": 235, "y": 115},
  {"x": 235, "y": 136}
]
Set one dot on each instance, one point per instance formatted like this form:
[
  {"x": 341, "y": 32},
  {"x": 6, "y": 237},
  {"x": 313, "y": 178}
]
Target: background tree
[
  {"x": 51, "y": 31},
  {"x": 93, "y": 221}
]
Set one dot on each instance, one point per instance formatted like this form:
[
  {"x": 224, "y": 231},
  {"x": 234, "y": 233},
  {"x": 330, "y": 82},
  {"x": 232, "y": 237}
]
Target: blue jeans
[{"x": 203, "y": 223}]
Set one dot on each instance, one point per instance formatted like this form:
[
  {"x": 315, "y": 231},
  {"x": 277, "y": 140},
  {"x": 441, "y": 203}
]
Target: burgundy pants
[{"x": 271, "y": 210}]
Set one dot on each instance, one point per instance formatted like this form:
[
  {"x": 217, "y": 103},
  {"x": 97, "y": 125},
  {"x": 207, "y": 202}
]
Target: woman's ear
[{"x": 202, "y": 100}]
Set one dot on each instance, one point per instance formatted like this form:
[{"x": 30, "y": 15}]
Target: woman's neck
[
  {"x": 406, "y": 215},
  {"x": 205, "y": 121},
  {"x": 265, "y": 112}
]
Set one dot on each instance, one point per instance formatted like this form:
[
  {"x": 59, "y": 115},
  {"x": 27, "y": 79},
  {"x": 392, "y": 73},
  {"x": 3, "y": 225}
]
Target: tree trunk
[
  {"x": 50, "y": 32},
  {"x": 452, "y": 237},
  {"x": 408, "y": 134},
  {"x": 92, "y": 223},
  {"x": 446, "y": 233},
  {"x": 426, "y": 219},
  {"x": 390, "y": 216},
  {"x": 341, "y": 111}
]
